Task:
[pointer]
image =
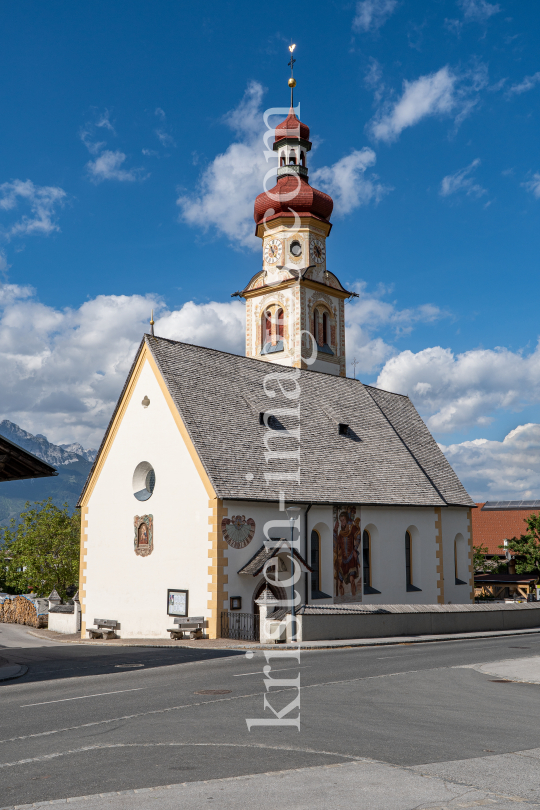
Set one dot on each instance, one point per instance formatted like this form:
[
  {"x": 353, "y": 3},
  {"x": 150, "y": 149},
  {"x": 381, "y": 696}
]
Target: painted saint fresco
[
  {"x": 143, "y": 542},
  {"x": 237, "y": 531},
  {"x": 347, "y": 554}
]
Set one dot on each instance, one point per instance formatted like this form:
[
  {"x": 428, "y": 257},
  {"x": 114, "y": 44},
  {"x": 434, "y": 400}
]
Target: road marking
[
  {"x": 243, "y": 674},
  {"x": 382, "y": 657},
  {"x": 82, "y": 697},
  {"x": 214, "y": 700},
  {"x": 104, "y": 746}
]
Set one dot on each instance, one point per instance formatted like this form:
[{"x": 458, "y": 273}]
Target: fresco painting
[
  {"x": 143, "y": 542},
  {"x": 347, "y": 554}
]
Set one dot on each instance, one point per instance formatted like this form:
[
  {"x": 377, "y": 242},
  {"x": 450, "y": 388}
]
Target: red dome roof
[
  {"x": 292, "y": 128},
  {"x": 293, "y": 192}
]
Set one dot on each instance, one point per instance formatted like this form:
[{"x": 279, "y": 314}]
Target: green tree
[
  {"x": 481, "y": 562},
  {"x": 527, "y": 547},
  {"x": 41, "y": 551}
]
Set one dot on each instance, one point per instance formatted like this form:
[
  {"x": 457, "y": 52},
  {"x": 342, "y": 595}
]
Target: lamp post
[{"x": 292, "y": 513}]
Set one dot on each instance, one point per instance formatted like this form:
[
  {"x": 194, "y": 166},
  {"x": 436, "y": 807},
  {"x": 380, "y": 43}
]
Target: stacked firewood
[{"x": 24, "y": 610}]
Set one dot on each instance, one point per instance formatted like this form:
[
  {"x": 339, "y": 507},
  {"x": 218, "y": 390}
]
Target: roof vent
[{"x": 343, "y": 429}]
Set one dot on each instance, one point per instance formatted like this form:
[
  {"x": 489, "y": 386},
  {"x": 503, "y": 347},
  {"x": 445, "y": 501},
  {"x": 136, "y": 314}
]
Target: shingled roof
[{"x": 387, "y": 455}]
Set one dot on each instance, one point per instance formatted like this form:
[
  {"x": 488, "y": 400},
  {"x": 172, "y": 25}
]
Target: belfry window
[
  {"x": 316, "y": 325},
  {"x": 280, "y": 325},
  {"x": 303, "y": 158},
  {"x": 325, "y": 328},
  {"x": 282, "y": 160},
  {"x": 267, "y": 337},
  {"x": 292, "y": 159}
]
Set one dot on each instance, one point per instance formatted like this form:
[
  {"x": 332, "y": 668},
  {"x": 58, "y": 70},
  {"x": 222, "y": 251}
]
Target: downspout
[{"x": 306, "y": 548}]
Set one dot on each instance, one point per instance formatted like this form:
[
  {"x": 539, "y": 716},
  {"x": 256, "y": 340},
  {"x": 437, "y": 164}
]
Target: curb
[
  {"x": 10, "y": 673},
  {"x": 341, "y": 644}
]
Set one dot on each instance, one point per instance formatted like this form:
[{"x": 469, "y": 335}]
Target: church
[{"x": 184, "y": 512}]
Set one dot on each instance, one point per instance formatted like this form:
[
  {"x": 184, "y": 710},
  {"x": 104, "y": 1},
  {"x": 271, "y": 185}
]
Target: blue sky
[{"x": 131, "y": 152}]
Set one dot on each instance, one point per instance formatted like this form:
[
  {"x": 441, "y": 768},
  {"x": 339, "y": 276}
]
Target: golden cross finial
[
  {"x": 152, "y": 323},
  {"x": 292, "y": 80}
]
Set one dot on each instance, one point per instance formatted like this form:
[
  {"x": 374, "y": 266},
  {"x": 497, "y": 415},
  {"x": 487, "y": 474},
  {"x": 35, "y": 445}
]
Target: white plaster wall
[
  {"x": 327, "y": 368},
  {"x": 119, "y": 584},
  {"x": 454, "y": 521},
  {"x": 63, "y": 622},
  {"x": 387, "y": 526},
  {"x": 319, "y": 517}
]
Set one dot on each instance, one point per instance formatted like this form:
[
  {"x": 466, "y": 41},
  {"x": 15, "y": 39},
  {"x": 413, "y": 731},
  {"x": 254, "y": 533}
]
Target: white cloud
[
  {"x": 369, "y": 314},
  {"x": 372, "y": 14},
  {"x": 533, "y": 185},
  {"x": 107, "y": 166},
  {"x": 528, "y": 83},
  {"x": 229, "y": 185},
  {"x": 443, "y": 93},
  {"x": 62, "y": 370},
  {"x": 160, "y": 113},
  {"x": 457, "y": 392},
  {"x": 478, "y": 10},
  {"x": 346, "y": 183},
  {"x": 43, "y": 202},
  {"x": 429, "y": 95},
  {"x": 164, "y": 138},
  {"x": 493, "y": 470},
  {"x": 461, "y": 181}
]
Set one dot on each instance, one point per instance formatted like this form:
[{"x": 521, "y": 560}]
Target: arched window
[
  {"x": 280, "y": 325},
  {"x": 282, "y": 160},
  {"x": 292, "y": 159},
  {"x": 366, "y": 559},
  {"x": 302, "y": 158},
  {"x": 408, "y": 560},
  {"x": 460, "y": 563},
  {"x": 316, "y": 325},
  {"x": 325, "y": 328},
  {"x": 315, "y": 562},
  {"x": 267, "y": 330}
]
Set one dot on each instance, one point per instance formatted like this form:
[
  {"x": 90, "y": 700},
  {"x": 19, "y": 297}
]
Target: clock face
[
  {"x": 272, "y": 251},
  {"x": 318, "y": 251}
]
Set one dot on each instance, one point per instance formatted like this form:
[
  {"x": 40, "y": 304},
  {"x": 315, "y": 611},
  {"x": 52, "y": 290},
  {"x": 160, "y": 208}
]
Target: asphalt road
[{"x": 88, "y": 720}]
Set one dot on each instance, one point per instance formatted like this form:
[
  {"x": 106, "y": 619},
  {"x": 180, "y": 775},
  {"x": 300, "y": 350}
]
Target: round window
[
  {"x": 144, "y": 481},
  {"x": 296, "y": 248}
]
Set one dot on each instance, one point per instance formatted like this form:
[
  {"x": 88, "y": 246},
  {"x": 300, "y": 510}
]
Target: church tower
[{"x": 294, "y": 293}]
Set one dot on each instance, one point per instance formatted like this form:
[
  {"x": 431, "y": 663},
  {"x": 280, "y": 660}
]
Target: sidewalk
[
  {"x": 501, "y": 782},
  {"x": 227, "y": 644}
]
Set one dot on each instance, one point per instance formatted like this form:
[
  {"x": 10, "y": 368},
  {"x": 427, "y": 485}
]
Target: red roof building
[{"x": 493, "y": 522}]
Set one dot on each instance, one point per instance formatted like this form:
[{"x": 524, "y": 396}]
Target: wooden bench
[
  {"x": 194, "y": 625},
  {"x": 105, "y": 628}
]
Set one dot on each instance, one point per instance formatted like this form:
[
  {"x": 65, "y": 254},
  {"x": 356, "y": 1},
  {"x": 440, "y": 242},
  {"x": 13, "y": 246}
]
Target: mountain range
[{"x": 72, "y": 461}]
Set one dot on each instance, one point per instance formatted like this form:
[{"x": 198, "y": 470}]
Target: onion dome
[
  {"x": 292, "y": 194},
  {"x": 291, "y": 128}
]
